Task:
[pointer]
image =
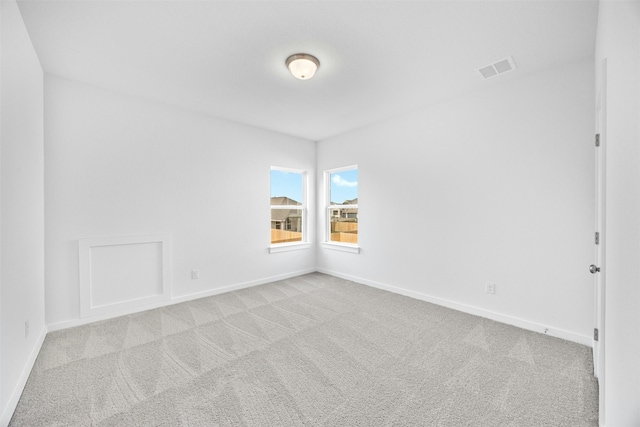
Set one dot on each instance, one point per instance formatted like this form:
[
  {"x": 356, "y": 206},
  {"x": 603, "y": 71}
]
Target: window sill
[
  {"x": 286, "y": 247},
  {"x": 342, "y": 247}
]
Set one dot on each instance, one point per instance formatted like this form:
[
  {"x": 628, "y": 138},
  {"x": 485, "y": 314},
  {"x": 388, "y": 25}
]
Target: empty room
[{"x": 320, "y": 213}]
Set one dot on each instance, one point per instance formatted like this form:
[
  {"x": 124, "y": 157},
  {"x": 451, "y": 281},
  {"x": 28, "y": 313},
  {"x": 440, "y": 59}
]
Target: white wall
[
  {"x": 22, "y": 208},
  {"x": 121, "y": 166},
  {"x": 618, "y": 41},
  {"x": 493, "y": 187}
]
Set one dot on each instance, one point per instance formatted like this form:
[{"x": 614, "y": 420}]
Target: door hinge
[
  {"x": 597, "y": 238},
  {"x": 597, "y": 140},
  {"x": 595, "y": 334}
]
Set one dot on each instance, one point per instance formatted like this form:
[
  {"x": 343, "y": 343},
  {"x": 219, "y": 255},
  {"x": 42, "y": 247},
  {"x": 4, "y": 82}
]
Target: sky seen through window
[{"x": 344, "y": 186}]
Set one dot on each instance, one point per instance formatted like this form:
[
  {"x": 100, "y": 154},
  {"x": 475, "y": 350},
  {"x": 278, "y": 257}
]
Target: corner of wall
[
  {"x": 14, "y": 398},
  {"x": 21, "y": 208}
]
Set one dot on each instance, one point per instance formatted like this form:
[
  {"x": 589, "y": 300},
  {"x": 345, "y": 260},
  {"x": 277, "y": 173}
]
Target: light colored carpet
[{"x": 309, "y": 351}]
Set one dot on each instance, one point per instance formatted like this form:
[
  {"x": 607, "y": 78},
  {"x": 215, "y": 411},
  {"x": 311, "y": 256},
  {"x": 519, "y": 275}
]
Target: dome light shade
[{"x": 302, "y": 65}]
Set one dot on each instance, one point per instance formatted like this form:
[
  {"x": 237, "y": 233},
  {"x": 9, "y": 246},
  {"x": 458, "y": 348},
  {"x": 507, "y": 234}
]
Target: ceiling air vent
[{"x": 499, "y": 67}]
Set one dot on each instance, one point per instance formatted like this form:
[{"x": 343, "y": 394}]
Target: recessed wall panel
[
  {"x": 121, "y": 273},
  {"x": 118, "y": 274}
]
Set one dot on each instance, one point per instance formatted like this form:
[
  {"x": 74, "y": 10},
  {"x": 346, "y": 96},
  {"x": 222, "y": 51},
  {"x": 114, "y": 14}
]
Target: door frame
[{"x": 600, "y": 221}]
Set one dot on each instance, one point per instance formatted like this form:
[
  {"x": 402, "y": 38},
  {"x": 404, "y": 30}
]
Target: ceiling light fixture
[{"x": 302, "y": 65}]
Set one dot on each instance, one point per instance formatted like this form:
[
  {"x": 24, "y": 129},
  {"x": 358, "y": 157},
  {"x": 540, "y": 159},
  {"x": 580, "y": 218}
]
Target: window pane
[
  {"x": 344, "y": 227},
  {"x": 344, "y": 187},
  {"x": 343, "y": 219},
  {"x": 286, "y": 188},
  {"x": 286, "y": 225}
]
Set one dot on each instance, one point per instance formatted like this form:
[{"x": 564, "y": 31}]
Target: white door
[{"x": 598, "y": 268}]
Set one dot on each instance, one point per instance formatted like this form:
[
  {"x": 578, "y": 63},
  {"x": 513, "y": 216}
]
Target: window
[
  {"x": 288, "y": 206},
  {"x": 342, "y": 205}
]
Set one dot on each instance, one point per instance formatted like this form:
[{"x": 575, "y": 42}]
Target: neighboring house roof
[
  {"x": 346, "y": 210},
  {"x": 280, "y": 215},
  {"x": 346, "y": 202},
  {"x": 282, "y": 200}
]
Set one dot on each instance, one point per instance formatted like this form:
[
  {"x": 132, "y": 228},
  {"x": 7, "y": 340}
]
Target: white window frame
[
  {"x": 304, "y": 243},
  {"x": 328, "y": 208}
]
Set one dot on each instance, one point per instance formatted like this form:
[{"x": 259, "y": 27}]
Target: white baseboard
[
  {"x": 499, "y": 317},
  {"x": 176, "y": 300},
  {"x": 12, "y": 403},
  {"x": 242, "y": 285}
]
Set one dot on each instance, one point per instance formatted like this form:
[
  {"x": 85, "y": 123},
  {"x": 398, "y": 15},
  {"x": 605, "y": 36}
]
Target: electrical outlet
[
  {"x": 195, "y": 274},
  {"x": 490, "y": 288},
  {"x": 26, "y": 328}
]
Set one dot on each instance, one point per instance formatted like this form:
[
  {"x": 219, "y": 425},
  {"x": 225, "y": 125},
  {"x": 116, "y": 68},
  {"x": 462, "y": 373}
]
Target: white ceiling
[{"x": 378, "y": 59}]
